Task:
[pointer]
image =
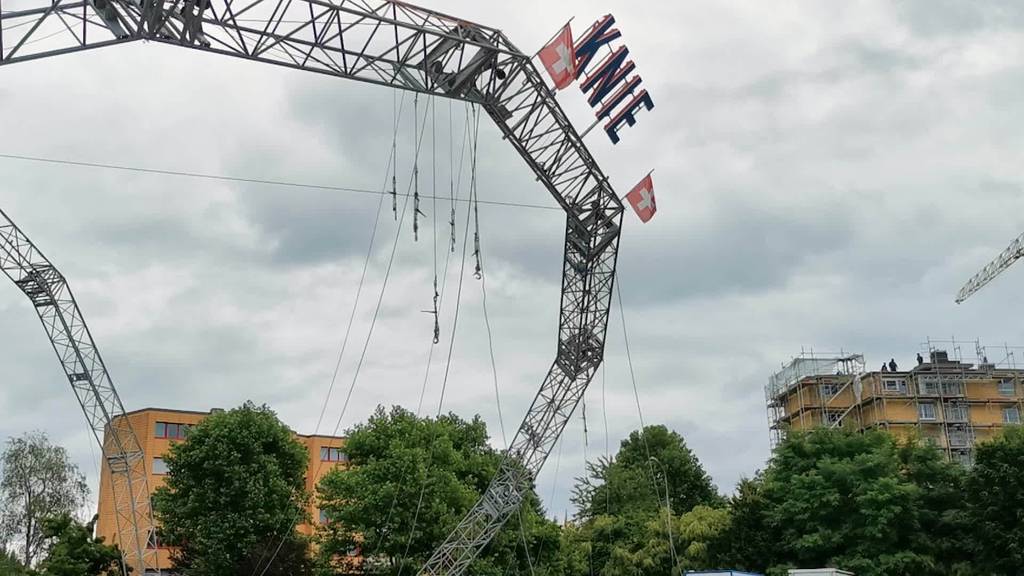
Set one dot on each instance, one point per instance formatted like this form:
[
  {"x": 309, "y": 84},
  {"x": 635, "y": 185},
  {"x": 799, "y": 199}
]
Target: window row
[
  {"x": 171, "y": 430},
  {"x": 926, "y": 411},
  {"x": 328, "y": 454}
]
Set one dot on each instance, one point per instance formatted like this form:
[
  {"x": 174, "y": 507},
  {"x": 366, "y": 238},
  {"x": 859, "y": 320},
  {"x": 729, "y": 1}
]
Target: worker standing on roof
[
  {"x": 892, "y": 364},
  {"x": 919, "y": 359},
  {"x": 884, "y": 367}
]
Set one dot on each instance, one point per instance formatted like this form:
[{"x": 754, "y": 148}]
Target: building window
[
  {"x": 159, "y": 466},
  {"x": 171, "y": 430},
  {"x": 894, "y": 385},
  {"x": 830, "y": 389},
  {"x": 928, "y": 386},
  {"x": 1007, "y": 387},
  {"x": 952, "y": 386},
  {"x": 956, "y": 412},
  {"x": 926, "y": 411},
  {"x": 329, "y": 454},
  {"x": 959, "y": 438},
  {"x": 965, "y": 459},
  {"x": 833, "y": 416},
  {"x": 1011, "y": 415}
]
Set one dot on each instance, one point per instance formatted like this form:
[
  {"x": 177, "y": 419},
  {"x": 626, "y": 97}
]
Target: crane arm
[
  {"x": 994, "y": 268},
  {"x": 392, "y": 43},
  {"x": 47, "y": 289}
]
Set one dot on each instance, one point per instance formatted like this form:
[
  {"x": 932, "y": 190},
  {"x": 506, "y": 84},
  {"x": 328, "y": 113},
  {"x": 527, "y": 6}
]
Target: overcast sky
[{"x": 828, "y": 175}]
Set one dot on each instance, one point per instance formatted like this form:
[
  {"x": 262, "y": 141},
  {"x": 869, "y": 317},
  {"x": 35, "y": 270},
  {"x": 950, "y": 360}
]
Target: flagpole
[{"x": 553, "y": 36}]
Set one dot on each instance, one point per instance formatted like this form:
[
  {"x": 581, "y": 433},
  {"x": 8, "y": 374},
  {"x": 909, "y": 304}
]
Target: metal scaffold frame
[{"x": 395, "y": 44}]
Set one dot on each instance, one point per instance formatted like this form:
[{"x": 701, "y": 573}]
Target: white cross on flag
[
  {"x": 641, "y": 198},
  {"x": 559, "y": 57}
]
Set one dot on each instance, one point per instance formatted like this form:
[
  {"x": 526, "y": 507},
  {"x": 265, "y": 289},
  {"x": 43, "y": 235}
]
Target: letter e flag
[
  {"x": 559, "y": 57},
  {"x": 641, "y": 198}
]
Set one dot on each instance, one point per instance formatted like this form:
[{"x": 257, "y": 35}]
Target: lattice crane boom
[
  {"x": 994, "y": 268},
  {"x": 83, "y": 366},
  {"x": 395, "y": 44}
]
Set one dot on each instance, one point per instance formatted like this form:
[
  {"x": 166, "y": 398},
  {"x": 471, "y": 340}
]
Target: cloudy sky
[{"x": 828, "y": 175}]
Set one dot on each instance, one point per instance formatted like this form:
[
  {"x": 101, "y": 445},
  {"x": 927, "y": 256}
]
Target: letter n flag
[
  {"x": 559, "y": 57},
  {"x": 641, "y": 198}
]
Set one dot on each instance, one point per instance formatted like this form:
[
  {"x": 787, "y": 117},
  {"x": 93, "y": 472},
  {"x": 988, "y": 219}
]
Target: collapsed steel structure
[
  {"x": 394, "y": 44},
  {"x": 62, "y": 320}
]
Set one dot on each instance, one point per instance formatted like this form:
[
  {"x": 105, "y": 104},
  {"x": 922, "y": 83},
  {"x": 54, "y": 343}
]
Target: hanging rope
[
  {"x": 475, "y": 199},
  {"x": 643, "y": 426},
  {"x": 433, "y": 213},
  {"x": 441, "y": 299},
  {"x": 444, "y": 387},
  {"x": 416, "y": 212},
  {"x": 451, "y": 175},
  {"x": 394, "y": 154},
  {"x": 397, "y": 109}
]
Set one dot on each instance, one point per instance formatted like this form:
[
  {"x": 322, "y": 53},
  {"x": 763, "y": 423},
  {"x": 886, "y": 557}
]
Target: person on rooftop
[
  {"x": 920, "y": 360},
  {"x": 892, "y": 365},
  {"x": 884, "y": 367}
]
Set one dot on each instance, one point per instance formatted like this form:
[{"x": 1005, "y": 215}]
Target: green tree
[
  {"x": 425, "y": 472},
  {"x": 995, "y": 496},
  {"x": 636, "y": 479},
  {"x": 9, "y": 564},
  {"x": 75, "y": 552},
  {"x": 624, "y": 525},
  {"x": 859, "y": 501},
  {"x": 233, "y": 492},
  {"x": 37, "y": 481}
]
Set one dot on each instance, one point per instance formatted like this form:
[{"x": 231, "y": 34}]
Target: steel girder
[
  {"x": 395, "y": 44},
  {"x": 1011, "y": 254},
  {"x": 62, "y": 320}
]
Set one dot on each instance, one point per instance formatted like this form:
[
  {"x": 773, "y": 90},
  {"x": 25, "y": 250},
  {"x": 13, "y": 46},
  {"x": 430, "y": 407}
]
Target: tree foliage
[
  {"x": 995, "y": 497},
  {"x": 859, "y": 501},
  {"x": 634, "y": 481},
  {"x": 408, "y": 471},
  {"x": 623, "y": 522},
  {"x": 10, "y": 565},
  {"x": 75, "y": 552},
  {"x": 37, "y": 480},
  {"x": 233, "y": 491}
]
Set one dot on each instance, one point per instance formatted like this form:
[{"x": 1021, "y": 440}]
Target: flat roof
[{"x": 207, "y": 413}]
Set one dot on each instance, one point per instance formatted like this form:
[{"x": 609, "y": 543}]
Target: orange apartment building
[
  {"x": 158, "y": 428},
  {"x": 949, "y": 402}
]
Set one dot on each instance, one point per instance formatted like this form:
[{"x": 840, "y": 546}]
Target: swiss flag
[
  {"x": 559, "y": 57},
  {"x": 641, "y": 198}
]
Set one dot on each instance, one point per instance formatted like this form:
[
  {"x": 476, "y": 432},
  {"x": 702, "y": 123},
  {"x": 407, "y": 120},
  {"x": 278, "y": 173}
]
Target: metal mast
[
  {"x": 62, "y": 320},
  {"x": 395, "y": 44},
  {"x": 994, "y": 268}
]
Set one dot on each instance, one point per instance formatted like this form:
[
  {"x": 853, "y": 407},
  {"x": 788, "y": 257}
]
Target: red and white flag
[
  {"x": 559, "y": 57},
  {"x": 641, "y": 198}
]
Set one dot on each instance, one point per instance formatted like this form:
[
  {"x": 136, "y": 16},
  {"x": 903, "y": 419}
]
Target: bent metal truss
[{"x": 402, "y": 46}]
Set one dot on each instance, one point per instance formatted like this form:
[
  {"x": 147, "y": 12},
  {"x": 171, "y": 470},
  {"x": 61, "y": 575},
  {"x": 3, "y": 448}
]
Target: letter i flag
[
  {"x": 559, "y": 57},
  {"x": 641, "y": 198}
]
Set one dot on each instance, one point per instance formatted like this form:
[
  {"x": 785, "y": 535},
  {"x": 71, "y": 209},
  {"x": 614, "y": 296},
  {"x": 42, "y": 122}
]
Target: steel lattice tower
[{"x": 395, "y": 44}]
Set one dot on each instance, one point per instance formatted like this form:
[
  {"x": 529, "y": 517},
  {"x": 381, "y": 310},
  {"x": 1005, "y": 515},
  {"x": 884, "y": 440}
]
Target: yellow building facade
[
  {"x": 157, "y": 429},
  {"x": 948, "y": 402}
]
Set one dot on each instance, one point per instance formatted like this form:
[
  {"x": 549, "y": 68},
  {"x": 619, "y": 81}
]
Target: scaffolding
[
  {"x": 962, "y": 394},
  {"x": 809, "y": 364}
]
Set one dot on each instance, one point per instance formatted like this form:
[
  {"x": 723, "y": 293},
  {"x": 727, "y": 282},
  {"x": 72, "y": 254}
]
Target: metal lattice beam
[
  {"x": 395, "y": 44},
  {"x": 62, "y": 320},
  {"x": 994, "y": 268}
]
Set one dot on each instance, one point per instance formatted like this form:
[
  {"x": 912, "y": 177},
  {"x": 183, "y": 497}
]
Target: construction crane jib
[
  {"x": 994, "y": 268},
  {"x": 395, "y": 44}
]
